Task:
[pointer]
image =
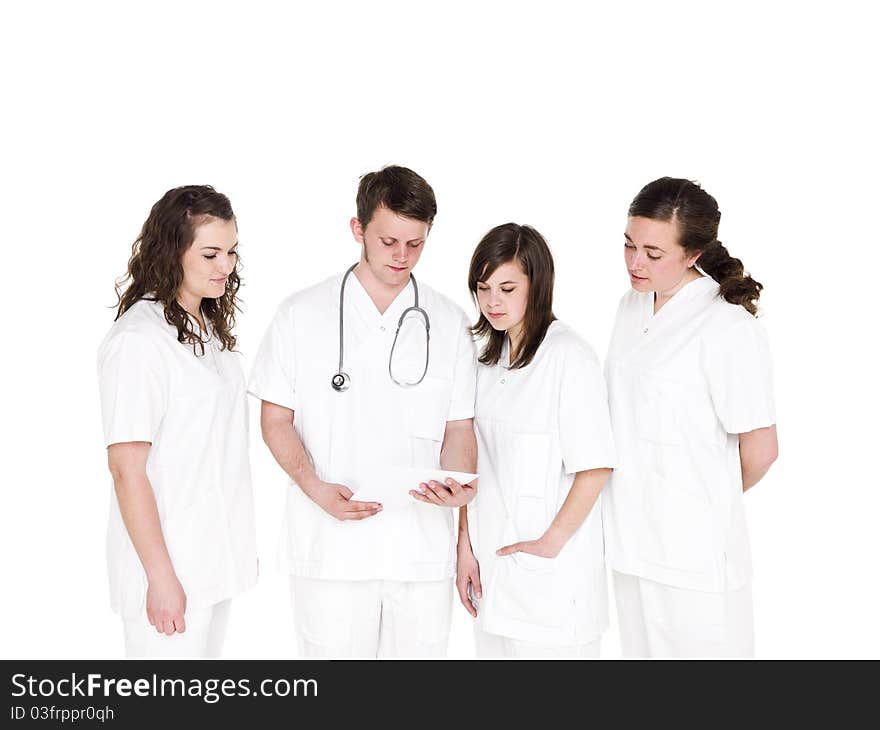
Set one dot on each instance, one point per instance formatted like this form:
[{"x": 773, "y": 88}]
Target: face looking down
[
  {"x": 503, "y": 298},
  {"x": 392, "y": 245},
  {"x": 208, "y": 262},
  {"x": 655, "y": 260}
]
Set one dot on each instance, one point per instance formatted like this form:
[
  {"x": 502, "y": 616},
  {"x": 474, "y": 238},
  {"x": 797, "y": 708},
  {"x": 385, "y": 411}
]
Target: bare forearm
[
  {"x": 464, "y": 537},
  {"x": 753, "y": 473},
  {"x": 758, "y": 449},
  {"x": 137, "y": 503},
  {"x": 580, "y": 500},
  {"x": 290, "y": 453},
  {"x": 459, "y": 452}
]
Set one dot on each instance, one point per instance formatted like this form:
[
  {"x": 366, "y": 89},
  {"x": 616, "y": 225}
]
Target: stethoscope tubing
[{"x": 341, "y": 380}]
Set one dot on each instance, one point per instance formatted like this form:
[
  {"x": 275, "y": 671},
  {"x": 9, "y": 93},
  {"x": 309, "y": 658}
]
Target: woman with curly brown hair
[{"x": 181, "y": 536}]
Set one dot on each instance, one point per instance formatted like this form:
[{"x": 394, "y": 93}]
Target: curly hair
[{"x": 155, "y": 272}]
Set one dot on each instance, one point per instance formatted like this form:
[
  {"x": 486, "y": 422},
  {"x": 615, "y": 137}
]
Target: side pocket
[
  {"x": 679, "y": 533},
  {"x": 527, "y": 591},
  {"x": 196, "y": 548}
]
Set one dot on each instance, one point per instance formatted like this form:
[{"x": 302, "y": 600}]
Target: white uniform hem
[
  {"x": 544, "y": 635},
  {"x": 199, "y": 600},
  {"x": 674, "y": 577}
]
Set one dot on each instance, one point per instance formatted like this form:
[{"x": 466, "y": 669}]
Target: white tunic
[
  {"x": 682, "y": 384},
  {"x": 193, "y": 410},
  {"x": 375, "y": 424},
  {"x": 537, "y": 427}
]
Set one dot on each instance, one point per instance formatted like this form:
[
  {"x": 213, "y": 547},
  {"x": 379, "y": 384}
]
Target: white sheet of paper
[{"x": 391, "y": 485}]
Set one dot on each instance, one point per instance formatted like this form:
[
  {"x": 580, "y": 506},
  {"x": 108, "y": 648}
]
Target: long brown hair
[
  {"x": 697, "y": 216},
  {"x": 155, "y": 271},
  {"x": 513, "y": 242}
]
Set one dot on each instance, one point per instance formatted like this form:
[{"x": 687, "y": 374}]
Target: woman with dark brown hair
[
  {"x": 691, "y": 401},
  {"x": 530, "y": 560},
  {"x": 181, "y": 537}
]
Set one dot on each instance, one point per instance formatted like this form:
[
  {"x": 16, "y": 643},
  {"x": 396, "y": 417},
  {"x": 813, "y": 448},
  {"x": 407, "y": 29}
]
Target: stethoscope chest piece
[{"x": 340, "y": 382}]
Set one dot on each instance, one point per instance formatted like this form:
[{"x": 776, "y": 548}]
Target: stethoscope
[{"x": 341, "y": 380}]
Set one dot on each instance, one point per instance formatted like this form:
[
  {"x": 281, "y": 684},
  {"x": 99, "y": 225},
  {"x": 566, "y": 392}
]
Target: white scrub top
[
  {"x": 536, "y": 428},
  {"x": 193, "y": 410},
  {"x": 682, "y": 385},
  {"x": 374, "y": 425}
]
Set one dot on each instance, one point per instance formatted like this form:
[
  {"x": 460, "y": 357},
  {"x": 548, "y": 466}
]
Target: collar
[{"x": 356, "y": 295}]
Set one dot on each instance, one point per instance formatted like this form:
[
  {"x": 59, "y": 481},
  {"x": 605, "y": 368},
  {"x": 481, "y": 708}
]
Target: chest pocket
[
  {"x": 427, "y": 405},
  {"x": 532, "y": 496},
  {"x": 675, "y": 413},
  {"x": 659, "y": 409},
  {"x": 195, "y": 398}
]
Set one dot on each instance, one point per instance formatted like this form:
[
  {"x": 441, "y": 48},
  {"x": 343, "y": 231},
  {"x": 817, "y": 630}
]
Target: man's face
[{"x": 392, "y": 245}]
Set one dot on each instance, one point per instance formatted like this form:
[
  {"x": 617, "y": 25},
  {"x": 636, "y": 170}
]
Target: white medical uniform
[
  {"x": 193, "y": 411},
  {"x": 536, "y": 428},
  {"x": 352, "y": 436},
  {"x": 683, "y": 383}
]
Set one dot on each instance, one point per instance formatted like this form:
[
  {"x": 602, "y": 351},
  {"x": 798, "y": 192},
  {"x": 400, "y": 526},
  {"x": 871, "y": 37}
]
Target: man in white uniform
[{"x": 353, "y": 388}]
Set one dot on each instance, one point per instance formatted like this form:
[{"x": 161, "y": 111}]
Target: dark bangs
[{"x": 503, "y": 244}]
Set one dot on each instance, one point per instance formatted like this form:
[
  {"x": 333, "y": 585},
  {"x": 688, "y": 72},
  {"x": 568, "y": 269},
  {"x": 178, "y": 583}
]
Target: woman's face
[
  {"x": 209, "y": 261},
  {"x": 504, "y": 296},
  {"x": 654, "y": 258}
]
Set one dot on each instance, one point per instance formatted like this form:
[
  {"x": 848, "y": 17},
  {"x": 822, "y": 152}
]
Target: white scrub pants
[
  {"x": 202, "y": 639},
  {"x": 371, "y": 618},
  {"x": 658, "y": 620},
  {"x": 493, "y": 646}
]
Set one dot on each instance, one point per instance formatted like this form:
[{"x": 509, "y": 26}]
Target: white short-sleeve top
[
  {"x": 536, "y": 428},
  {"x": 683, "y": 383},
  {"x": 352, "y": 436},
  {"x": 192, "y": 409}
]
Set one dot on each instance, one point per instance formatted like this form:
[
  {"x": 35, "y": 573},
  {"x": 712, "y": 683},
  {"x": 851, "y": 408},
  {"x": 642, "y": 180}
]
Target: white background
[{"x": 544, "y": 113}]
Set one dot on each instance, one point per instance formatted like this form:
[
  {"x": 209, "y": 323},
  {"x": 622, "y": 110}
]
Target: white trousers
[
  {"x": 202, "y": 639},
  {"x": 371, "y": 618},
  {"x": 493, "y": 646},
  {"x": 658, "y": 620}
]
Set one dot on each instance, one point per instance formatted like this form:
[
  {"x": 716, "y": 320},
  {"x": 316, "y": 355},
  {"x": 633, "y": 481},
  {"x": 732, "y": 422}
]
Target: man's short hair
[{"x": 400, "y": 190}]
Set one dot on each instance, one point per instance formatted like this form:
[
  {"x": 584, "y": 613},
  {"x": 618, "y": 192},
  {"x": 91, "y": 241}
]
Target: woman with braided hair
[{"x": 690, "y": 393}]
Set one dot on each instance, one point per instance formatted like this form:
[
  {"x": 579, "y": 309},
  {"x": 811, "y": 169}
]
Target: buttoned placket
[
  {"x": 650, "y": 319},
  {"x": 208, "y": 343},
  {"x": 504, "y": 362}
]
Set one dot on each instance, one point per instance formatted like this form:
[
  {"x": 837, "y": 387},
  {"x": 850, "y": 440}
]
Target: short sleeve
[
  {"x": 584, "y": 424},
  {"x": 133, "y": 381},
  {"x": 738, "y": 369},
  {"x": 272, "y": 376},
  {"x": 464, "y": 378}
]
